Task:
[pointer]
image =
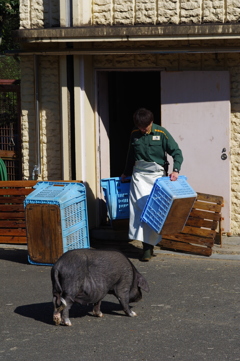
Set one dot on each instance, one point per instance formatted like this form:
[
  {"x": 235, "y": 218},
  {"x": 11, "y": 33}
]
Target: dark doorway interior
[
  {"x": 10, "y": 135},
  {"x": 129, "y": 91}
]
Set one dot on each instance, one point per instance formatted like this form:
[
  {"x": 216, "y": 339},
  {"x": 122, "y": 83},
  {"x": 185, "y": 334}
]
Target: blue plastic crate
[
  {"x": 116, "y": 194},
  {"x": 161, "y": 198},
  {"x": 71, "y": 199}
]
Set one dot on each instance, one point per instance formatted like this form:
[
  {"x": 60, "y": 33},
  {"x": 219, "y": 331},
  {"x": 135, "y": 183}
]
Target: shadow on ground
[
  {"x": 14, "y": 255},
  {"x": 21, "y": 255},
  {"x": 43, "y": 312},
  {"x": 125, "y": 247}
]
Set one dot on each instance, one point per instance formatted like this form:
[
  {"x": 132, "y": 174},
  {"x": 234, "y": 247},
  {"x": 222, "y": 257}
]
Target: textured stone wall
[
  {"x": 45, "y": 13},
  {"x": 28, "y": 116},
  {"x": 35, "y": 14},
  {"x": 128, "y": 12},
  {"x": 50, "y": 127},
  {"x": 50, "y": 131}
]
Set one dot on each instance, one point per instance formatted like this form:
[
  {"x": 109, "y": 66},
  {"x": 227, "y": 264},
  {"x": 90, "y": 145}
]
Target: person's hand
[
  {"x": 123, "y": 178},
  {"x": 174, "y": 176}
]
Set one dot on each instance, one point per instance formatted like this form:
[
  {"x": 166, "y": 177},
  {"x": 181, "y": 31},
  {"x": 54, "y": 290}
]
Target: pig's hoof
[
  {"x": 132, "y": 314},
  {"x": 66, "y": 322},
  {"x": 57, "y": 319},
  {"x": 97, "y": 313}
]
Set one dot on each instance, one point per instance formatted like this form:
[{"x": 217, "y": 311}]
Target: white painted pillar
[
  {"x": 65, "y": 13},
  {"x": 64, "y": 119},
  {"x": 80, "y": 123},
  {"x": 85, "y": 131},
  {"x": 75, "y": 12},
  {"x": 82, "y": 12},
  {"x": 85, "y": 140}
]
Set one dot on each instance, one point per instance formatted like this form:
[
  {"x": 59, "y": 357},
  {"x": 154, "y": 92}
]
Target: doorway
[{"x": 128, "y": 91}]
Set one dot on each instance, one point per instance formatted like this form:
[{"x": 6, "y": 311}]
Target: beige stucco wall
[{"x": 43, "y": 13}]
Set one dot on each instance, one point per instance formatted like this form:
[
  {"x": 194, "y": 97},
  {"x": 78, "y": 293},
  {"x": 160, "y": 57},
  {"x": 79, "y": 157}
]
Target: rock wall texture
[
  {"x": 50, "y": 127},
  {"x": 44, "y": 13}
]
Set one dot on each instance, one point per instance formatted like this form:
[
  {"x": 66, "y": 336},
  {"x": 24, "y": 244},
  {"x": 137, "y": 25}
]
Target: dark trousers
[{"x": 147, "y": 246}]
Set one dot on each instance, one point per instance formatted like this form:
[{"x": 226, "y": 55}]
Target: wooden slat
[
  {"x": 205, "y": 215},
  {"x": 13, "y": 215},
  {"x": 15, "y": 191},
  {"x": 206, "y": 251},
  {"x": 207, "y": 206},
  {"x": 198, "y": 222},
  {"x": 11, "y": 208},
  {"x": 210, "y": 198},
  {"x": 199, "y": 231},
  {"x": 19, "y": 184},
  {"x": 13, "y": 239},
  {"x": 12, "y": 199},
  {"x": 7, "y": 153},
  {"x": 12, "y": 224},
  {"x": 179, "y": 237},
  {"x": 12, "y": 232}
]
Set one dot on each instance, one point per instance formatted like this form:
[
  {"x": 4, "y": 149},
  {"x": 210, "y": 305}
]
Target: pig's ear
[{"x": 142, "y": 283}]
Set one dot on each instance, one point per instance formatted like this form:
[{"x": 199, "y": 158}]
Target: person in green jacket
[{"x": 146, "y": 161}]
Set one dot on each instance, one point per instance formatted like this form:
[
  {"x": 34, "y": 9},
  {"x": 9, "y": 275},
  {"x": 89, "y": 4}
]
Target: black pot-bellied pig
[{"x": 87, "y": 275}]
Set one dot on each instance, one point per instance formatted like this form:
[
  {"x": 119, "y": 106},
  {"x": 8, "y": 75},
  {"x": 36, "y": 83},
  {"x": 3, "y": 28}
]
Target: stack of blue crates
[
  {"x": 71, "y": 200},
  {"x": 116, "y": 194},
  {"x": 161, "y": 199}
]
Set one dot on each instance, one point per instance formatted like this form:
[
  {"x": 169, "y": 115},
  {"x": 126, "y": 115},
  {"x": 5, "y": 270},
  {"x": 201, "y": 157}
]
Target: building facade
[{"x": 88, "y": 65}]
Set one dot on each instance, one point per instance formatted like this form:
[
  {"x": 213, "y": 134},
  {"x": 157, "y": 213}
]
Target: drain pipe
[{"x": 37, "y": 166}]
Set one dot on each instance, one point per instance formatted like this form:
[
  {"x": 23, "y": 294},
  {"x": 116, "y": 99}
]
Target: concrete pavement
[
  {"x": 191, "y": 312},
  {"x": 230, "y": 248}
]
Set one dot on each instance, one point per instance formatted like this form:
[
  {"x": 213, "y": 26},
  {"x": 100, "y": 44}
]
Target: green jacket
[{"x": 152, "y": 148}]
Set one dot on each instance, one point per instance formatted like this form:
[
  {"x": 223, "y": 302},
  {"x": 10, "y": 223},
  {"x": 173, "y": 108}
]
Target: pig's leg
[
  {"x": 123, "y": 298},
  {"x": 57, "y": 318},
  {"x": 96, "y": 309},
  {"x": 65, "y": 313}
]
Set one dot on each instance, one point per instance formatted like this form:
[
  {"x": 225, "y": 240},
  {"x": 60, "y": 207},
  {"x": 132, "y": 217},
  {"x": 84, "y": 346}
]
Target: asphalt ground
[{"x": 192, "y": 312}]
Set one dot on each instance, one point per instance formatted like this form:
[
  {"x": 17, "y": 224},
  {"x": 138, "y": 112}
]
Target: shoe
[
  {"x": 147, "y": 252},
  {"x": 147, "y": 255}
]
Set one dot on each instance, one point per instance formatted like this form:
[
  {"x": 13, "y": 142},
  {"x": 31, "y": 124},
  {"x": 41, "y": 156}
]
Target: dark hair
[{"x": 142, "y": 118}]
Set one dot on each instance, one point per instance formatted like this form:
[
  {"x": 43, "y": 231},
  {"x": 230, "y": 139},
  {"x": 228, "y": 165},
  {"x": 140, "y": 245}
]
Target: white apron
[{"x": 143, "y": 178}]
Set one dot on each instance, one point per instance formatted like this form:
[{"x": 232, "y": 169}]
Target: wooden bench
[
  {"x": 201, "y": 229},
  {"x": 12, "y": 213}
]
